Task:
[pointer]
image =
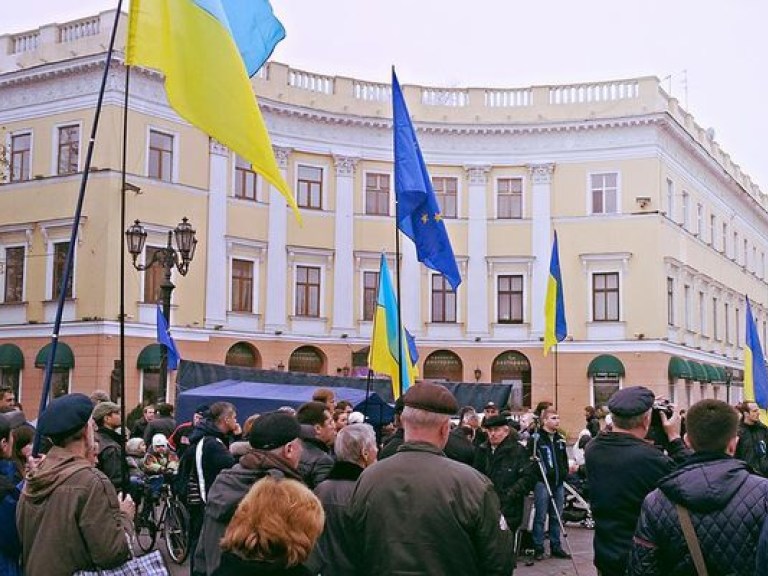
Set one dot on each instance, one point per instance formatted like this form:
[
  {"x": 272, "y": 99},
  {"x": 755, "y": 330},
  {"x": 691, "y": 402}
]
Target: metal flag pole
[
  {"x": 400, "y": 365},
  {"x": 66, "y": 276}
]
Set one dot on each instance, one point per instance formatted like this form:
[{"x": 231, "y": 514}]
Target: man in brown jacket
[{"x": 69, "y": 516}]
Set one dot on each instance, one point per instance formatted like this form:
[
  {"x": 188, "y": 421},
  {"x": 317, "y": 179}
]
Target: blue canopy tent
[{"x": 257, "y": 397}]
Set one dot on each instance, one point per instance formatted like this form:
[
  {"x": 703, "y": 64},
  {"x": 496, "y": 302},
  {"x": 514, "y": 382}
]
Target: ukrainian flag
[
  {"x": 755, "y": 372},
  {"x": 555, "y": 326},
  {"x": 207, "y": 49},
  {"x": 383, "y": 356}
]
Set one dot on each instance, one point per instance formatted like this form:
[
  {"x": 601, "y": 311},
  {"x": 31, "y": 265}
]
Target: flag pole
[
  {"x": 556, "y": 371},
  {"x": 65, "y": 277},
  {"x": 397, "y": 275}
]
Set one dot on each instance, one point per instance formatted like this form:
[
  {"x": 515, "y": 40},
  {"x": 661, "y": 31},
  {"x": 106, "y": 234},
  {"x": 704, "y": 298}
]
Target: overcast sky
[{"x": 716, "y": 44}]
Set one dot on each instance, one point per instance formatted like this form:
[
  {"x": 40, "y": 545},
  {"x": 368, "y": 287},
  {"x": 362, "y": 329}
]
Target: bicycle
[{"x": 173, "y": 519}]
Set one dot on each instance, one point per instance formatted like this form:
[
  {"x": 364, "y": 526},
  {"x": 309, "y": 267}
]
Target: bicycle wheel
[
  {"x": 175, "y": 530},
  {"x": 145, "y": 526}
]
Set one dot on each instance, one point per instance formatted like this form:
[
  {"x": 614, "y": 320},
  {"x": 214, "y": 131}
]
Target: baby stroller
[{"x": 575, "y": 505}]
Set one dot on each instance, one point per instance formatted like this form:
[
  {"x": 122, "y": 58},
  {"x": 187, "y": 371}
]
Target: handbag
[
  {"x": 690, "y": 538},
  {"x": 151, "y": 564}
]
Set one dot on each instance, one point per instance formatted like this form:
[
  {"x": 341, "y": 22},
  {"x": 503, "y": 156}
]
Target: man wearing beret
[
  {"x": 106, "y": 415},
  {"x": 420, "y": 513},
  {"x": 275, "y": 451},
  {"x": 622, "y": 468},
  {"x": 69, "y": 516}
]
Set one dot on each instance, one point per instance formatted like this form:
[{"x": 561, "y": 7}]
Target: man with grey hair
[
  {"x": 355, "y": 449},
  {"x": 418, "y": 512}
]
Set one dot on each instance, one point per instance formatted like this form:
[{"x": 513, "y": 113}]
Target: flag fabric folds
[
  {"x": 755, "y": 372},
  {"x": 418, "y": 213},
  {"x": 164, "y": 337},
  {"x": 207, "y": 49},
  {"x": 384, "y": 356},
  {"x": 555, "y": 326}
]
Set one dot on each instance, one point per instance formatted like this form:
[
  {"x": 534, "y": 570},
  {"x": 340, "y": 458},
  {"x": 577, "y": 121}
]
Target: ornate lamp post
[{"x": 169, "y": 258}]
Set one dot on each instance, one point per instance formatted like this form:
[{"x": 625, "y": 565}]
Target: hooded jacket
[
  {"x": 69, "y": 518},
  {"x": 753, "y": 446},
  {"x": 728, "y": 507},
  {"x": 229, "y": 488}
]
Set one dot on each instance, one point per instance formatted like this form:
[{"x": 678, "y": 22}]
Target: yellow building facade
[{"x": 661, "y": 234}]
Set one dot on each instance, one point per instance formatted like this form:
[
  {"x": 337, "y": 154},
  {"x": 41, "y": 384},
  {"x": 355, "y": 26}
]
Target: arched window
[
  {"x": 443, "y": 365},
  {"x": 153, "y": 387},
  {"x": 307, "y": 359},
  {"x": 63, "y": 363},
  {"x": 512, "y": 367},
  {"x": 244, "y": 355}
]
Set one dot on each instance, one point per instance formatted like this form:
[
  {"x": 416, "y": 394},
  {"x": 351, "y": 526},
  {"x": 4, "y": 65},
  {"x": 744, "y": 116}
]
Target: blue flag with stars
[
  {"x": 418, "y": 213},
  {"x": 164, "y": 337}
]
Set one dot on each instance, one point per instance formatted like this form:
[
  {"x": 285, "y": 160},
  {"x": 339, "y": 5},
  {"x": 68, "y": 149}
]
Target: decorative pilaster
[
  {"x": 275, "y": 313},
  {"x": 343, "y": 271},
  {"x": 477, "y": 236},
  {"x": 217, "y": 276},
  {"x": 541, "y": 239}
]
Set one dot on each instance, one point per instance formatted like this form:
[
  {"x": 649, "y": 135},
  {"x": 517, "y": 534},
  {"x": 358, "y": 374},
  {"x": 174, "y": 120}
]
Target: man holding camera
[{"x": 623, "y": 467}]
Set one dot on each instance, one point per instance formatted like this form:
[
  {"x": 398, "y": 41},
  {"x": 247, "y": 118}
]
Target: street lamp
[{"x": 169, "y": 258}]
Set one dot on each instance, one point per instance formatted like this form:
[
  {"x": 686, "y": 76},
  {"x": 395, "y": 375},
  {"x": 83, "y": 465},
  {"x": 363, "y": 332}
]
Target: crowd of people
[{"x": 316, "y": 490}]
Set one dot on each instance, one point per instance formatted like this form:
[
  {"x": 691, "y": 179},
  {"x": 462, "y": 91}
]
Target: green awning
[
  {"x": 150, "y": 357},
  {"x": 714, "y": 375},
  {"x": 698, "y": 372},
  {"x": 11, "y": 357},
  {"x": 605, "y": 365},
  {"x": 64, "y": 357},
  {"x": 721, "y": 375},
  {"x": 678, "y": 368}
]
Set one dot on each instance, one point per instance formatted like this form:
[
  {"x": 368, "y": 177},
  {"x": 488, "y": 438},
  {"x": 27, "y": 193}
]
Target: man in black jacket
[
  {"x": 106, "y": 415},
  {"x": 753, "y": 438},
  {"x": 727, "y": 505},
  {"x": 318, "y": 434},
  {"x": 622, "y": 468}
]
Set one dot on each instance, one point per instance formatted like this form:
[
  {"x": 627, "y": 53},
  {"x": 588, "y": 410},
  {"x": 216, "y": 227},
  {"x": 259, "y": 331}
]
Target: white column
[
  {"x": 275, "y": 316},
  {"x": 411, "y": 272},
  {"x": 541, "y": 240},
  {"x": 475, "y": 285},
  {"x": 343, "y": 265},
  {"x": 217, "y": 275}
]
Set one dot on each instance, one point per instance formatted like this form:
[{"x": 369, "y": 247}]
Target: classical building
[{"x": 661, "y": 234}]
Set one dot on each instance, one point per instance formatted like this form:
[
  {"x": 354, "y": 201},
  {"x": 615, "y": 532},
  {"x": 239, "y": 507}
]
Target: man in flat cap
[
  {"x": 69, "y": 515},
  {"x": 275, "y": 451},
  {"x": 622, "y": 468},
  {"x": 418, "y": 512},
  {"x": 110, "y": 460}
]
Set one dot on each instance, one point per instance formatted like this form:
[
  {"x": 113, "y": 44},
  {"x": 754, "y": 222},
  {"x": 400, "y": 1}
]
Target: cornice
[{"x": 47, "y": 71}]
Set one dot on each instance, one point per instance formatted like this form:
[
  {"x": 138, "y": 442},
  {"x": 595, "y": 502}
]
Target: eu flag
[
  {"x": 418, "y": 213},
  {"x": 164, "y": 338}
]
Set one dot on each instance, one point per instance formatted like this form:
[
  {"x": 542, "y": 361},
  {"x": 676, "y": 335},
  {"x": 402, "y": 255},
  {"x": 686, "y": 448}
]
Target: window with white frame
[
  {"x": 13, "y": 291},
  {"x": 60, "y": 250},
  {"x": 737, "y": 316},
  {"x": 604, "y": 188},
  {"x": 745, "y": 253},
  {"x": 724, "y": 239},
  {"x": 68, "y": 153},
  {"x": 308, "y": 291},
  {"x": 712, "y": 228},
  {"x": 153, "y": 276},
  {"x": 603, "y": 387},
  {"x": 21, "y": 157},
  {"x": 447, "y": 192},
  {"x": 160, "y": 156},
  {"x": 670, "y": 301},
  {"x": 715, "y": 331},
  {"x": 443, "y": 300},
  {"x": 509, "y": 294},
  {"x": 370, "y": 294},
  {"x": 153, "y": 387},
  {"x": 377, "y": 191},
  {"x": 246, "y": 181},
  {"x": 687, "y": 306},
  {"x": 605, "y": 297},
  {"x": 700, "y": 220},
  {"x": 686, "y": 210},
  {"x": 509, "y": 198},
  {"x": 727, "y": 321},
  {"x": 242, "y": 285},
  {"x": 702, "y": 313},
  {"x": 735, "y": 247},
  {"x": 309, "y": 193},
  {"x": 670, "y": 198}
]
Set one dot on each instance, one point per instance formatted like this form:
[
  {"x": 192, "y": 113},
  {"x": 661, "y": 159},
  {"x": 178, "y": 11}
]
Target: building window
[
  {"x": 377, "y": 194},
  {"x": 738, "y": 329},
  {"x": 153, "y": 387},
  {"x": 605, "y": 191},
  {"x": 712, "y": 228},
  {"x": 69, "y": 149},
  {"x": 444, "y": 365},
  {"x": 686, "y": 210},
  {"x": 670, "y": 199},
  {"x": 510, "y": 299},
  {"x": 509, "y": 198},
  {"x": 745, "y": 253},
  {"x": 242, "y": 286},
  {"x": 735, "y": 247},
  {"x": 727, "y": 321},
  {"x": 307, "y": 359},
  {"x": 715, "y": 331},
  {"x": 702, "y": 314},
  {"x": 605, "y": 297},
  {"x": 700, "y": 220},
  {"x": 160, "y": 156},
  {"x": 443, "y": 300},
  {"x": 21, "y": 154},
  {"x": 307, "y": 291},
  {"x": 370, "y": 294},
  {"x": 9, "y": 378},
  {"x": 603, "y": 387},
  {"x": 59, "y": 382},
  {"x": 310, "y": 188},
  {"x": 446, "y": 190},
  {"x": 153, "y": 277},
  {"x": 60, "y": 250},
  {"x": 724, "y": 239},
  {"x": 687, "y": 306},
  {"x": 245, "y": 180},
  {"x": 242, "y": 354},
  {"x": 14, "y": 274},
  {"x": 670, "y": 302}
]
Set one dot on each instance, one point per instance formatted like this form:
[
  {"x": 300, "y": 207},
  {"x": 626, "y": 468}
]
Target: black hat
[
  {"x": 489, "y": 406},
  {"x": 431, "y": 398},
  {"x": 202, "y": 409},
  {"x": 273, "y": 430},
  {"x": 14, "y": 418},
  {"x": 496, "y": 420},
  {"x": 65, "y": 415},
  {"x": 631, "y": 401}
]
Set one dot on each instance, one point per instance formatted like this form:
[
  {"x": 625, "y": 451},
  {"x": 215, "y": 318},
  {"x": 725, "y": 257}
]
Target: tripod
[{"x": 535, "y": 435}]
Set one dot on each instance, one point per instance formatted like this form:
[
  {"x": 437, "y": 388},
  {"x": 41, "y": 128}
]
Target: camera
[
  {"x": 656, "y": 431},
  {"x": 665, "y": 406}
]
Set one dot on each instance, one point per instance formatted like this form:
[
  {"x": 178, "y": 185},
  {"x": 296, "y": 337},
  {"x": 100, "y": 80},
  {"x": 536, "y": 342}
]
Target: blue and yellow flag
[
  {"x": 555, "y": 326},
  {"x": 418, "y": 213},
  {"x": 755, "y": 372},
  {"x": 165, "y": 339},
  {"x": 383, "y": 356},
  {"x": 207, "y": 49}
]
